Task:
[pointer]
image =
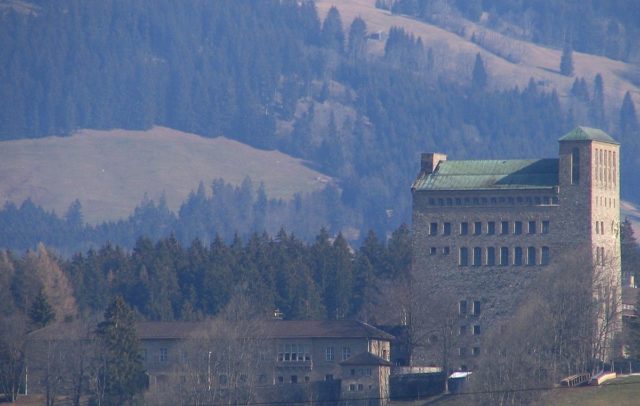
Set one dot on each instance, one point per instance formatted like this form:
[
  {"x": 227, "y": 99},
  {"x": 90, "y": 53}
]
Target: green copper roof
[
  {"x": 588, "y": 134},
  {"x": 493, "y": 174}
]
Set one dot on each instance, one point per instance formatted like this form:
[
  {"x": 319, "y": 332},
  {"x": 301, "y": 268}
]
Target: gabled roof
[
  {"x": 365, "y": 358},
  {"x": 588, "y": 134},
  {"x": 324, "y": 329},
  {"x": 167, "y": 330},
  {"x": 490, "y": 174}
]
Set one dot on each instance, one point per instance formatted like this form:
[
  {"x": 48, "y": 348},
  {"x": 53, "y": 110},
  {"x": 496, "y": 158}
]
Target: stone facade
[{"x": 483, "y": 230}]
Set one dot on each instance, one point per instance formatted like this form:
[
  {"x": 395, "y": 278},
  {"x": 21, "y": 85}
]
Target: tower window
[
  {"x": 575, "y": 166},
  {"x": 447, "y": 229},
  {"x": 433, "y": 229},
  {"x": 464, "y": 228},
  {"x": 477, "y": 256},
  {"x": 504, "y": 227},
  {"x": 477, "y": 228},
  {"x": 464, "y": 256},
  {"x": 545, "y": 256},
  {"x": 491, "y": 227},
  {"x": 518, "y": 227},
  {"x": 531, "y": 256},
  {"x": 517, "y": 256},
  {"x": 532, "y": 227},
  {"x": 504, "y": 256},
  {"x": 491, "y": 256}
]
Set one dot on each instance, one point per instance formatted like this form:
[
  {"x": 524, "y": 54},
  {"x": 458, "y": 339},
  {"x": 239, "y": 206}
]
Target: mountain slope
[
  {"x": 110, "y": 172},
  {"x": 534, "y": 61}
]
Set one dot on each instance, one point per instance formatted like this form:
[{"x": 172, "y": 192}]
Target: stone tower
[{"x": 483, "y": 230}]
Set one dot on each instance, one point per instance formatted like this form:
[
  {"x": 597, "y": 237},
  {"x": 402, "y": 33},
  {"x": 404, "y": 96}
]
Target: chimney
[{"x": 430, "y": 160}]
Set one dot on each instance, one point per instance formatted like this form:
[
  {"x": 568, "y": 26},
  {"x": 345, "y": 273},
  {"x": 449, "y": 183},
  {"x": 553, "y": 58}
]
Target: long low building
[{"x": 273, "y": 360}]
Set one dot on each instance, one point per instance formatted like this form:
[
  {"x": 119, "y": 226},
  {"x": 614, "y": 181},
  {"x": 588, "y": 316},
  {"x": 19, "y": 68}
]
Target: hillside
[
  {"x": 534, "y": 61},
  {"x": 110, "y": 172}
]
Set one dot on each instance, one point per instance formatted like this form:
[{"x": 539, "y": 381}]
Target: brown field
[{"x": 110, "y": 172}]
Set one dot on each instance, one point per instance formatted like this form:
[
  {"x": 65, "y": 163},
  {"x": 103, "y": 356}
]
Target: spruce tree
[
  {"x": 41, "y": 313},
  {"x": 479, "y": 78},
  {"x": 122, "y": 374},
  {"x": 597, "y": 103},
  {"x": 566, "y": 60},
  {"x": 628, "y": 118}
]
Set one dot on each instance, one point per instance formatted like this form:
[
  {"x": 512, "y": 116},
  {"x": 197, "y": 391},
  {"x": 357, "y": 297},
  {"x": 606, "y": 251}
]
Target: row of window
[
  {"x": 463, "y": 308},
  {"x": 491, "y": 227},
  {"x": 491, "y": 256},
  {"x": 601, "y": 256},
  {"x": 293, "y": 353},
  {"x": 462, "y": 351},
  {"x": 493, "y": 201},
  {"x": 329, "y": 353},
  {"x": 292, "y": 379},
  {"x": 475, "y": 329},
  {"x": 358, "y": 387},
  {"x": 605, "y": 171},
  {"x": 603, "y": 201}
]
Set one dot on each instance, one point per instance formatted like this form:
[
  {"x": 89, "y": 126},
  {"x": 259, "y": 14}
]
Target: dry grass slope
[
  {"x": 536, "y": 61},
  {"x": 110, "y": 172}
]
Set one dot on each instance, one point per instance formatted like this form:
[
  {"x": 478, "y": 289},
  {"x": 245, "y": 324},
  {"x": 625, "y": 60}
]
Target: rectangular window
[
  {"x": 477, "y": 256},
  {"x": 476, "y": 330},
  {"x": 491, "y": 227},
  {"x": 545, "y": 227},
  {"x": 545, "y": 256},
  {"x": 462, "y": 351},
  {"x": 504, "y": 227},
  {"x": 464, "y": 228},
  {"x": 329, "y": 354},
  {"x": 360, "y": 387},
  {"x": 464, "y": 256},
  {"x": 328, "y": 377},
  {"x": 446, "y": 229},
  {"x": 531, "y": 256},
  {"x": 346, "y": 353},
  {"x": 143, "y": 354},
  {"x": 462, "y": 307},
  {"x": 462, "y": 330},
  {"x": 597, "y": 227},
  {"x": 517, "y": 256},
  {"x": 477, "y": 228},
  {"x": 294, "y": 378},
  {"x": 532, "y": 227},
  {"x": 164, "y": 355},
  {"x": 476, "y": 308},
  {"x": 504, "y": 256},
  {"x": 475, "y": 351},
  {"x": 352, "y": 387},
  {"x": 445, "y": 251},
  {"x": 491, "y": 256},
  {"x": 432, "y": 251},
  {"x": 575, "y": 166},
  {"x": 518, "y": 227},
  {"x": 433, "y": 229}
]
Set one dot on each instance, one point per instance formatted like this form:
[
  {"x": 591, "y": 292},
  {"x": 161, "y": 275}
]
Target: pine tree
[
  {"x": 332, "y": 33},
  {"x": 357, "y": 47},
  {"x": 566, "y": 60},
  {"x": 479, "y": 78},
  {"x": 597, "y": 103},
  {"x": 122, "y": 375},
  {"x": 41, "y": 313},
  {"x": 628, "y": 118}
]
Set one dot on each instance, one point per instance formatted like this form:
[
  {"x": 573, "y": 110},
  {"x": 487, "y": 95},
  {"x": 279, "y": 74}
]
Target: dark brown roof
[
  {"x": 175, "y": 330},
  {"x": 365, "y": 358},
  {"x": 324, "y": 329},
  {"x": 167, "y": 330}
]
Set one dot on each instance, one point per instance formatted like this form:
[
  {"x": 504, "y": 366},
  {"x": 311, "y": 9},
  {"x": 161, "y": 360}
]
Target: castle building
[{"x": 484, "y": 229}]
